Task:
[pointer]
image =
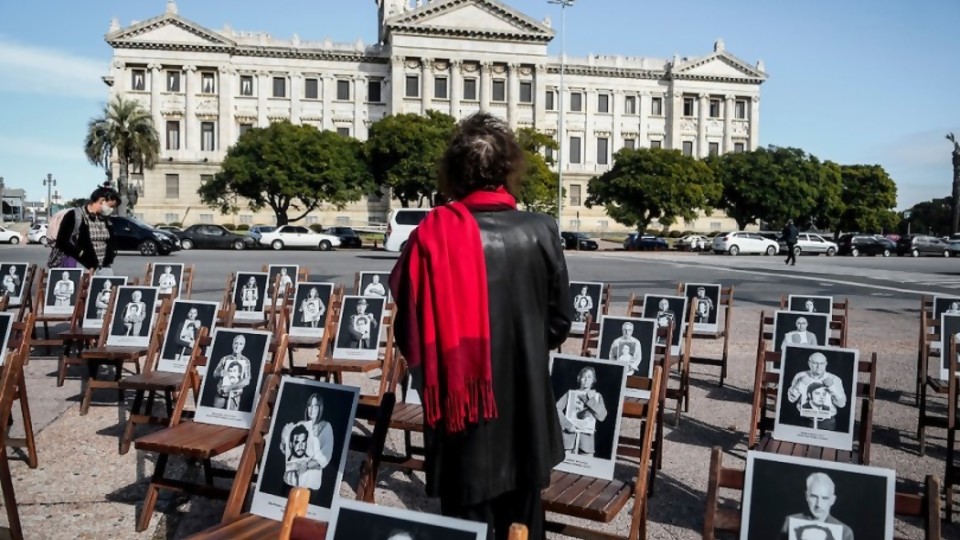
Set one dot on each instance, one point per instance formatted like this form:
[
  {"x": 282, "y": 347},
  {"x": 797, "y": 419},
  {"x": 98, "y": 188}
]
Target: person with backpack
[{"x": 83, "y": 236}]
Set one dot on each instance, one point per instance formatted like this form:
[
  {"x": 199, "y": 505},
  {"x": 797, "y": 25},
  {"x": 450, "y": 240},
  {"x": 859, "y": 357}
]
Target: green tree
[
  {"x": 289, "y": 167},
  {"x": 538, "y": 187},
  {"x": 649, "y": 183},
  {"x": 929, "y": 217},
  {"x": 869, "y": 197},
  {"x": 124, "y": 132},
  {"x": 403, "y": 152}
]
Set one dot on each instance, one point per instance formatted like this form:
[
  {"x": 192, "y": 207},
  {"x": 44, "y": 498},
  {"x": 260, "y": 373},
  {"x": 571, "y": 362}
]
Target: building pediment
[
  {"x": 168, "y": 31},
  {"x": 480, "y": 19},
  {"x": 720, "y": 65}
]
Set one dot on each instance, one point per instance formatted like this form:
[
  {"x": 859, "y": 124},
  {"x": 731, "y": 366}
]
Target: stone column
[
  {"x": 513, "y": 94},
  {"x": 456, "y": 87},
  {"x": 396, "y": 85},
  {"x": 754, "y": 123},
  {"x": 644, "y": 110},
  {"x": 225, "y": 117},
  {"x": 675, "y": 112},
  {"x": 190, "y": 88},
  {"x": 539, "y": 96},
  {"x": 702, "y": 108},
  {"x": 617, "y": 107},
  {"x": 263, "y": 87},
  {"x": 156, "y": 86},
  {"x": 728, "y": 107},
  {"x": 359, "y": 109},
  {"x": 296, "y": 90},
  {"x": 426, "y": 84},
  {"x": 329, "y": 94},
  {"x": 485, "y": 86}
]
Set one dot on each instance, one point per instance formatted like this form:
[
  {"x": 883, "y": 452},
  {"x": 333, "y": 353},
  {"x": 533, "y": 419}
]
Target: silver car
[{"x": 812, "y": 243}]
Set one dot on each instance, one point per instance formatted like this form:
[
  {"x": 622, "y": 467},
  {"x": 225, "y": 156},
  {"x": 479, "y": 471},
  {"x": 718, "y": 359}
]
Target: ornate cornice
[
  {"x": 418, "y": 22},
  {"x": 497, "y": 35}
]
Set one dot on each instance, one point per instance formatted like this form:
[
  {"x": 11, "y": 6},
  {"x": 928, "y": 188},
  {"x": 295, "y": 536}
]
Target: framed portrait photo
[
  {"x": 810, "y": 304},
  {"x": 817, "y": 396},
  {"x": 706, "y": 296},
  {"x": 799, "y": 328},
  {"x": 666, "y": 310},
  {"x": 630, "y": 341},
  {"x": 782, "y": 491},
  {"x": 12, "y": 281},
  {"x": 134, "y": 315},
  {"x": 249, "y": 295},
  {"x": 351, "y": 520},
  {"x": 586, "y": 297},
  {"x": 6, "y": 326},
  {"x": 375, "y": 285},
  {"x": 186, "y": 320},
  {"x": 358, "y": 331},
  {"x": 63, "y": 287},
  {"x": 168, "y": 278},
  {"x": 288, "y": 275},
  {"x": 101, "y": 289},
  {"x": 231, "y": 386},
  {"x": 944, "y": 304},
  {"x": 589, "y": 405},
  {"x": 949, "y": 328},
  {"x": 310, "y": 308},
  {"x": 306, "y": 446}
]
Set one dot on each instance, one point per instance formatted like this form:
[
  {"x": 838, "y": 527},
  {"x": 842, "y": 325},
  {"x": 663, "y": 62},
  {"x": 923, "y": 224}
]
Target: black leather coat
[{"x": 530, "y": 314}]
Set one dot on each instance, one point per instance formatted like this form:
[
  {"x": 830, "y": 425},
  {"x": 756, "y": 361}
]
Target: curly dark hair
[{"x": 483, "y": 155}]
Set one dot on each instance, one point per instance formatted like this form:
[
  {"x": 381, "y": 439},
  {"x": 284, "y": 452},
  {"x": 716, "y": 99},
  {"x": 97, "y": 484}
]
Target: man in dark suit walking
[{"x": 790, "y": 234}]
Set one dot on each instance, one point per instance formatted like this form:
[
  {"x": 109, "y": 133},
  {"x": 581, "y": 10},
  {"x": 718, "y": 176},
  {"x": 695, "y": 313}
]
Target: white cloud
[
  {"x": 30, "y": 69},
  {"x": 20, "y": 147}
]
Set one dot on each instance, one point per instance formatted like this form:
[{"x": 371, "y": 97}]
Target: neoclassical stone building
[{"x": 204, "y": 88}]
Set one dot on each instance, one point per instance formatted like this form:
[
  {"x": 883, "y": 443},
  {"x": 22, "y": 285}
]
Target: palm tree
[
  {"x": 955, "y": 200},
  {"x": 124, "y": 132}
]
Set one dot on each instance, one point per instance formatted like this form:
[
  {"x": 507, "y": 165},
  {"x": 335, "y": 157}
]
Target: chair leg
[
  {"x": 92, "y": 368},
  {"x": 150, "y": 501},
  {"x": 208, "y": 472},
  {"x": 32, "y": 460},
  {"x": 10, "y": 499},
  {"x": 131, "y": 424},
  {"x": 948, "y": 475},
  {"x": 62, "y": 361},
  {"x": 921, "y": 421}
]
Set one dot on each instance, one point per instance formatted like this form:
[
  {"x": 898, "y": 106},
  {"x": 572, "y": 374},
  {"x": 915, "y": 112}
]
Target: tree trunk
[
  {"x": 404, "y": 203},
  {"x": 741, "y": 223},
  {"x": 955, "y": 201},
  {"x": 122, "y": 181},
  {"x": 281, "y": 217}
]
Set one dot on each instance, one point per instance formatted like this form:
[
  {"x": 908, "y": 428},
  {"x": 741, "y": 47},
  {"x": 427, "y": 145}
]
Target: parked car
[
  {"x": 134, "y": 235},
  {"x": 9, "y": 236},
  {"x": 401, "y": 223},
  {"x": 629, "y": 240},
  {"x": 887, "y": 241},
  {"x": 170, "y": 228},
  {"x": 863, "y": 244},
  {"x": 738, "y": 242},
  {"x": 348, "y": 237},
  {"x": 954, "y": 247},
  {"x": 648, "y": 242},
  {"x": 692, "y": 242},
  {"x": 258, "y": 230},
  {"x": 572, "y": 239},
  {"x": 207, "y": 236},
  {"x": 37, "y": 234},
  {"x": 921, "y": 244},
  {"x": 296, "y": 236},
  {"x": 812, "y": 243}
]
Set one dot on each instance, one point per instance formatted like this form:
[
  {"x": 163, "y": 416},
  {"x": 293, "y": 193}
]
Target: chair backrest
[
  {"x": 11, "y": 374},
  {"x": 26, "y": 297},
  {"x": 839, "y": 318},
  {"x": 727, "y": 518},
  {"x": 4, "y": 301},
  {"x": 41, "y": 295}
]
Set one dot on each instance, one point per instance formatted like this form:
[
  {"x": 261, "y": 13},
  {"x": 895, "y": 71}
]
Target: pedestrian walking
[{"x": 790, "y": 234}]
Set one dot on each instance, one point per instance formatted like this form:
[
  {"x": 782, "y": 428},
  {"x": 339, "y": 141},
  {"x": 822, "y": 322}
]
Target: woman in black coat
[{"x": 85, "y": 236}]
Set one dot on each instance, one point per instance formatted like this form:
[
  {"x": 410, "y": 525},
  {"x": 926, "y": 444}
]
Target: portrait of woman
[{"x": 312, "y": 308}]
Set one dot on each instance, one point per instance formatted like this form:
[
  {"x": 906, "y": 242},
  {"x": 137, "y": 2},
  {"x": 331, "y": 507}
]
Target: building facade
[{"x": 204, "y": 88}]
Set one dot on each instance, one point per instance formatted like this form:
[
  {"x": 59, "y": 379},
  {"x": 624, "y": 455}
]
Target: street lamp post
[
  {"x": 2, "y": 188},
  {"x": 564, "y": 4},
  {"x": 49, "y": 181}
]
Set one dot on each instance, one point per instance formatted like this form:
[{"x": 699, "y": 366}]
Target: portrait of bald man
[
  {"x": 827, "y": 384},
  {"x": 820, "y": 496}
]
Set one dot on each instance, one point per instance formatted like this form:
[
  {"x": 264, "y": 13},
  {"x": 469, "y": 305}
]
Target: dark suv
[
  {"x": 572, "y": 239},
  {"x": 921, "y": 244},
  {"x": 133, "y": 235},
  {"x": 862, "y": 244}
]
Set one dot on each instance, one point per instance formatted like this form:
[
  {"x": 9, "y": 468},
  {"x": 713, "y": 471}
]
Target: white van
[{"x": 402, "y": 222}]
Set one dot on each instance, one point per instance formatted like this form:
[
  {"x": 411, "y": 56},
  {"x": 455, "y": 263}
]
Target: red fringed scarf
[{"x": 443, "y": 322}]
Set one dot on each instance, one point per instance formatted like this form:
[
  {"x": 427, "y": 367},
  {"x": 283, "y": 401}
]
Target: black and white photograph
[
  {"x": 586, "y": 302},
  {"x": 101, "y": 290},
  {"x": 310, "y": 308},
  {"x": 285, "y": 276},
  {"x": 949, "y": 328},
  {"x": 944, "y": 304},
  {"x": 6, "y": 325},
  {"x": 799, "y": 528},
  {"x": 590, "y": 401},
  {"x": 810, "y": 304},
  {"x": 249, "y": 295},
  {"x": 168, "y": 278},
  {"x": 799, "y": 328},
  {"x": 186, "y": 320},
  {"x": 706, "y": 297},
  {"x": 666, "y": 310},
  {"x": 133, "y": 317},
  {"x": 12, "y": 276},
  {"x": 629, "y": 341},
  {"x": 352, "y": 520},
  {"x": 375, "y": 285},
  {"x": 781, "y": 490},
  {"x": 63, "y": 286},
  {"x": 306, "y": 446},
  {"x": 817, "y": 401},
  {"x": 228, "y": 393},
  {"x": 361, "y": 320}
]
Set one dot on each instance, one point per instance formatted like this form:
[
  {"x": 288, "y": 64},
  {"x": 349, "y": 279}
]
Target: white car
[
  {"x": 692, "y": 242},
  {"x": 812, "y": 243},
  {"x": 295, "y": 236},
  {"x": 8, "y": 236},
  {"x": 37, "y": 234},
  {"x": 739, "y": 242},
  {"x": 400, "y": 224}
]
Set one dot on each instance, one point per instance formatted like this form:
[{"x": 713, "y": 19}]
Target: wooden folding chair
[
  {"x": 839, "y": 318},
  {"x": 946, "y": 388},
  {"x": 26, "y": 304},
  {"x": 184, "y": 291},
  {"x": 926, "y": 310},
  {"x": 55, "y": 318},
  {"x": 20, "y": 339},
  {"x": 313, "y": 342},
  {"x": 11, "y": 388},
  {"x": 728, "y": 517},
  {"x": 227, "y": 303},
  {"x": 726, "y": 304},
  {"x": 599, "y": 500}
]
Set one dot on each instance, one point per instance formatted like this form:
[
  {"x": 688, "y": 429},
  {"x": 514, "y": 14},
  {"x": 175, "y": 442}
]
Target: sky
[{"x": 852, "y": 81}]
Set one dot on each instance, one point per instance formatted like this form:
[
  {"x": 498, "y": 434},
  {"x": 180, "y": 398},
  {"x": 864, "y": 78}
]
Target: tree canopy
[
  {"x": 929, "y": 217},
  {"x": 289, "y": 167},
  {"x": 868, "y": 199},
  {"x": 538, "y": 184},
  {"x": 403, "y": 152},
  {"x": 652, "y": 183}
]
